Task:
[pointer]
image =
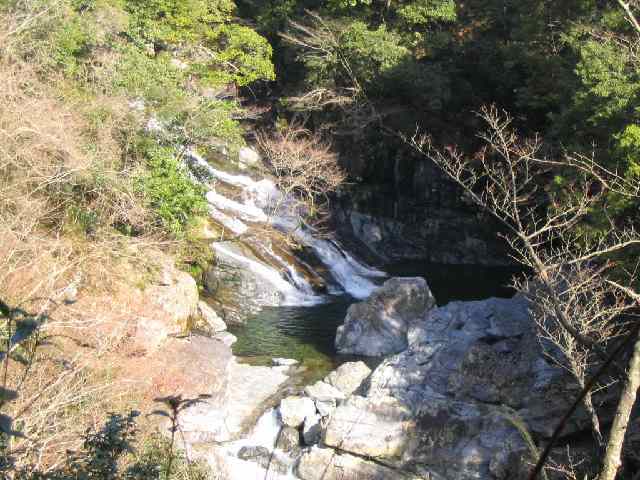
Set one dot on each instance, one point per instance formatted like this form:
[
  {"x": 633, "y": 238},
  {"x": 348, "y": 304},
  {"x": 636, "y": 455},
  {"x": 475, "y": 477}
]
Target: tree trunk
[
  {"x": 612, "y": 458},
  {"x": 595, "y": 422}
]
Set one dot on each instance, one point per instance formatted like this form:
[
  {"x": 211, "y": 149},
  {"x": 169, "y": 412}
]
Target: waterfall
[
  {"x": 264, "y": 434},
  {"x": 290, "y": 294},
  {"x": 260, "y": 202}
]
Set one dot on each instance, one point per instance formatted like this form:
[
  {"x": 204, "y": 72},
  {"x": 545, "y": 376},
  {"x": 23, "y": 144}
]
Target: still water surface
[{"x": 307, "y": 333}]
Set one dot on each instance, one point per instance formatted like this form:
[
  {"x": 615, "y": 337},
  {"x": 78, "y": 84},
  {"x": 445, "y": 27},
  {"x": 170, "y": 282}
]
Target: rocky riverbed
[{"x": 462, "y": 393}]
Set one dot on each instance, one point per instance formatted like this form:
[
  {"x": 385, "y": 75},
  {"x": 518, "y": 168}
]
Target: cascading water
[
  {"x": 295, "y": 313},
  {"x": 260, "y": 202}
]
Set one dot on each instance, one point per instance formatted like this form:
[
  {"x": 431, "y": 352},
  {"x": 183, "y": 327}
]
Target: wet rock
[
  {"x": 327, "y": 464},
  {"x": 240, "y": 290},
  {"x": 349, "y": 376},
  {"x": 379, "y": 325},
  {"x": 212, "y": 319},
  {"x": 284, "y": 362},
  {"x": 253, "y": 453},
  {"x": 288, "y": 439},
  {"x": 263, "y": 457},
  {"x": 312, "y": 430},
  {"x": 324, "y": 392},
  {"x": 293, "y": 410}
]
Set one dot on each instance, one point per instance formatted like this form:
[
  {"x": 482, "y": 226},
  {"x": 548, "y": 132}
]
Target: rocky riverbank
[{"x": 465, "y": 398}]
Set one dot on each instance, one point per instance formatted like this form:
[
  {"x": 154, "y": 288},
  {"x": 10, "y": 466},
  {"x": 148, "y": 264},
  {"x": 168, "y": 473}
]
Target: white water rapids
[{"x": 260, "y": 202}]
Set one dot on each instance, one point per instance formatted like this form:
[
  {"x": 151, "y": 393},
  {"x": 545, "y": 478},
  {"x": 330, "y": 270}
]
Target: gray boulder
[
  {"x": 288, "y": 440},
  {"x": 327, "y": 464},
  {"x": 324, "y": 392},
  {"x": 227, "y": 338},
  {"x": 348, "y": 377},
  {"x": 379, "y": 325},
  {"x": 325, "y": 408},
  {"x": 293, "y": 410},
  {"x": 457, "y": 401},
  {"x": 312, "y": 430},
  {"x": 248, "y": 157}
]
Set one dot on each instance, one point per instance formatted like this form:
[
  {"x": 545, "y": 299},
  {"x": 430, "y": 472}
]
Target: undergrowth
[{"x": 98, "y": 99}]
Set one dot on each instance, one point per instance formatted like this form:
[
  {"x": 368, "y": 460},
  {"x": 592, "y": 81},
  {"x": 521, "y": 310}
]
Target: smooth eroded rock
[
  {"x": 212, "y": 319},
  {"x": 227, "y": 417},
  {"x": 227, "y": 338},
  {"x": 379, "y": 325},
  {"x": 235, "y": 283},
  {"x": 348, "y": 377},
  {"x": 327, "y": 464},
  {"x": 293, "y": 410}
]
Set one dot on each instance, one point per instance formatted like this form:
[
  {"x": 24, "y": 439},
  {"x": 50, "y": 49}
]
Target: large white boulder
[
  {"x": 293, "y": 410},
  {"x": 348, "y": 377},
  {"x": 379, "y": 325}
]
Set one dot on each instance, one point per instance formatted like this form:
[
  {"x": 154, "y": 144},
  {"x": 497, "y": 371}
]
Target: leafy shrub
[
  {"x": 242, "y": 56},
  {"x": 153, "y": 78},
  {"x": 174, "y": 197}
]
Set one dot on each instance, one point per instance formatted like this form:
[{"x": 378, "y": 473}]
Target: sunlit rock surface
[{"x": 379, "y": 325}]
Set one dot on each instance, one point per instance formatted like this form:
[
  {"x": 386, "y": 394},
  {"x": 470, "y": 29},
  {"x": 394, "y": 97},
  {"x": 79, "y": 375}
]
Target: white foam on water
[
  {"x": 246, "y": 212},
  {"x": 233, "y": 180},
  {"x": 353, "y": 277},
  {"x": 262, "y": 202},
  {"x": 264, "y": 434},
  {"x": 230, "y": 223},
  {"x": 291, "y": 296}
]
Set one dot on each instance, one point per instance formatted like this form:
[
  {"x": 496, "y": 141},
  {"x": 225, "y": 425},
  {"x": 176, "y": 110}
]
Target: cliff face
[{"x": 402, "y": 207}]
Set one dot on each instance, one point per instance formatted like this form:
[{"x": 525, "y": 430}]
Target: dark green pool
[{"x": 307, "y": 333}]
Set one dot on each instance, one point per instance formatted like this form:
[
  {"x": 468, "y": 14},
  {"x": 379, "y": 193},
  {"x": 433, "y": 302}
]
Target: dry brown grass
[{"x": 63, "y": 189}]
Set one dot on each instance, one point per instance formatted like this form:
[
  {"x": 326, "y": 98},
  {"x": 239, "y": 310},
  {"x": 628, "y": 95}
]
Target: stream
[
  {"x": 288, "y": 300},
  {"x": 295, "y": 319}
]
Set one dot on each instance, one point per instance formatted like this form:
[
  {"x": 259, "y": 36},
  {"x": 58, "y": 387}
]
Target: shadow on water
[
  {"x": 459, "y": 282},
  {"x": 307, "y": 333}
]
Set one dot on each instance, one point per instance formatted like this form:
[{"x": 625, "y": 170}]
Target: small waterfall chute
[{"x": 262, "y": 202}]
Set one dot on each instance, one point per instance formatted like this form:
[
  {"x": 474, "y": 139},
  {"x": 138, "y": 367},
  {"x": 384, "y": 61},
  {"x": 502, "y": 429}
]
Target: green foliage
[
  {"x": 72, "y": 43},
  {"x": 173, "y": 196},
  {"x": 115, "y": 453},
  {"x": 372, "y": 54},
  {"x": 176, "y": 21},
  {"x": 346, "y": 4},
  {"x": 240, "y": 56},
  {"x": 610, "y": 80},
  {"x": 236, "y": 54},
  {"x": 424, "y": 12},
  {"x": 153, "y": 78},
  {"x": 211, "y": 119}
]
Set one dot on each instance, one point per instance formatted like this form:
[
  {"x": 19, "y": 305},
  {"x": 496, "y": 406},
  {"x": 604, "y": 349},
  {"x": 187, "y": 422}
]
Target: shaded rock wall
[{"x": 402, "y": 207}]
